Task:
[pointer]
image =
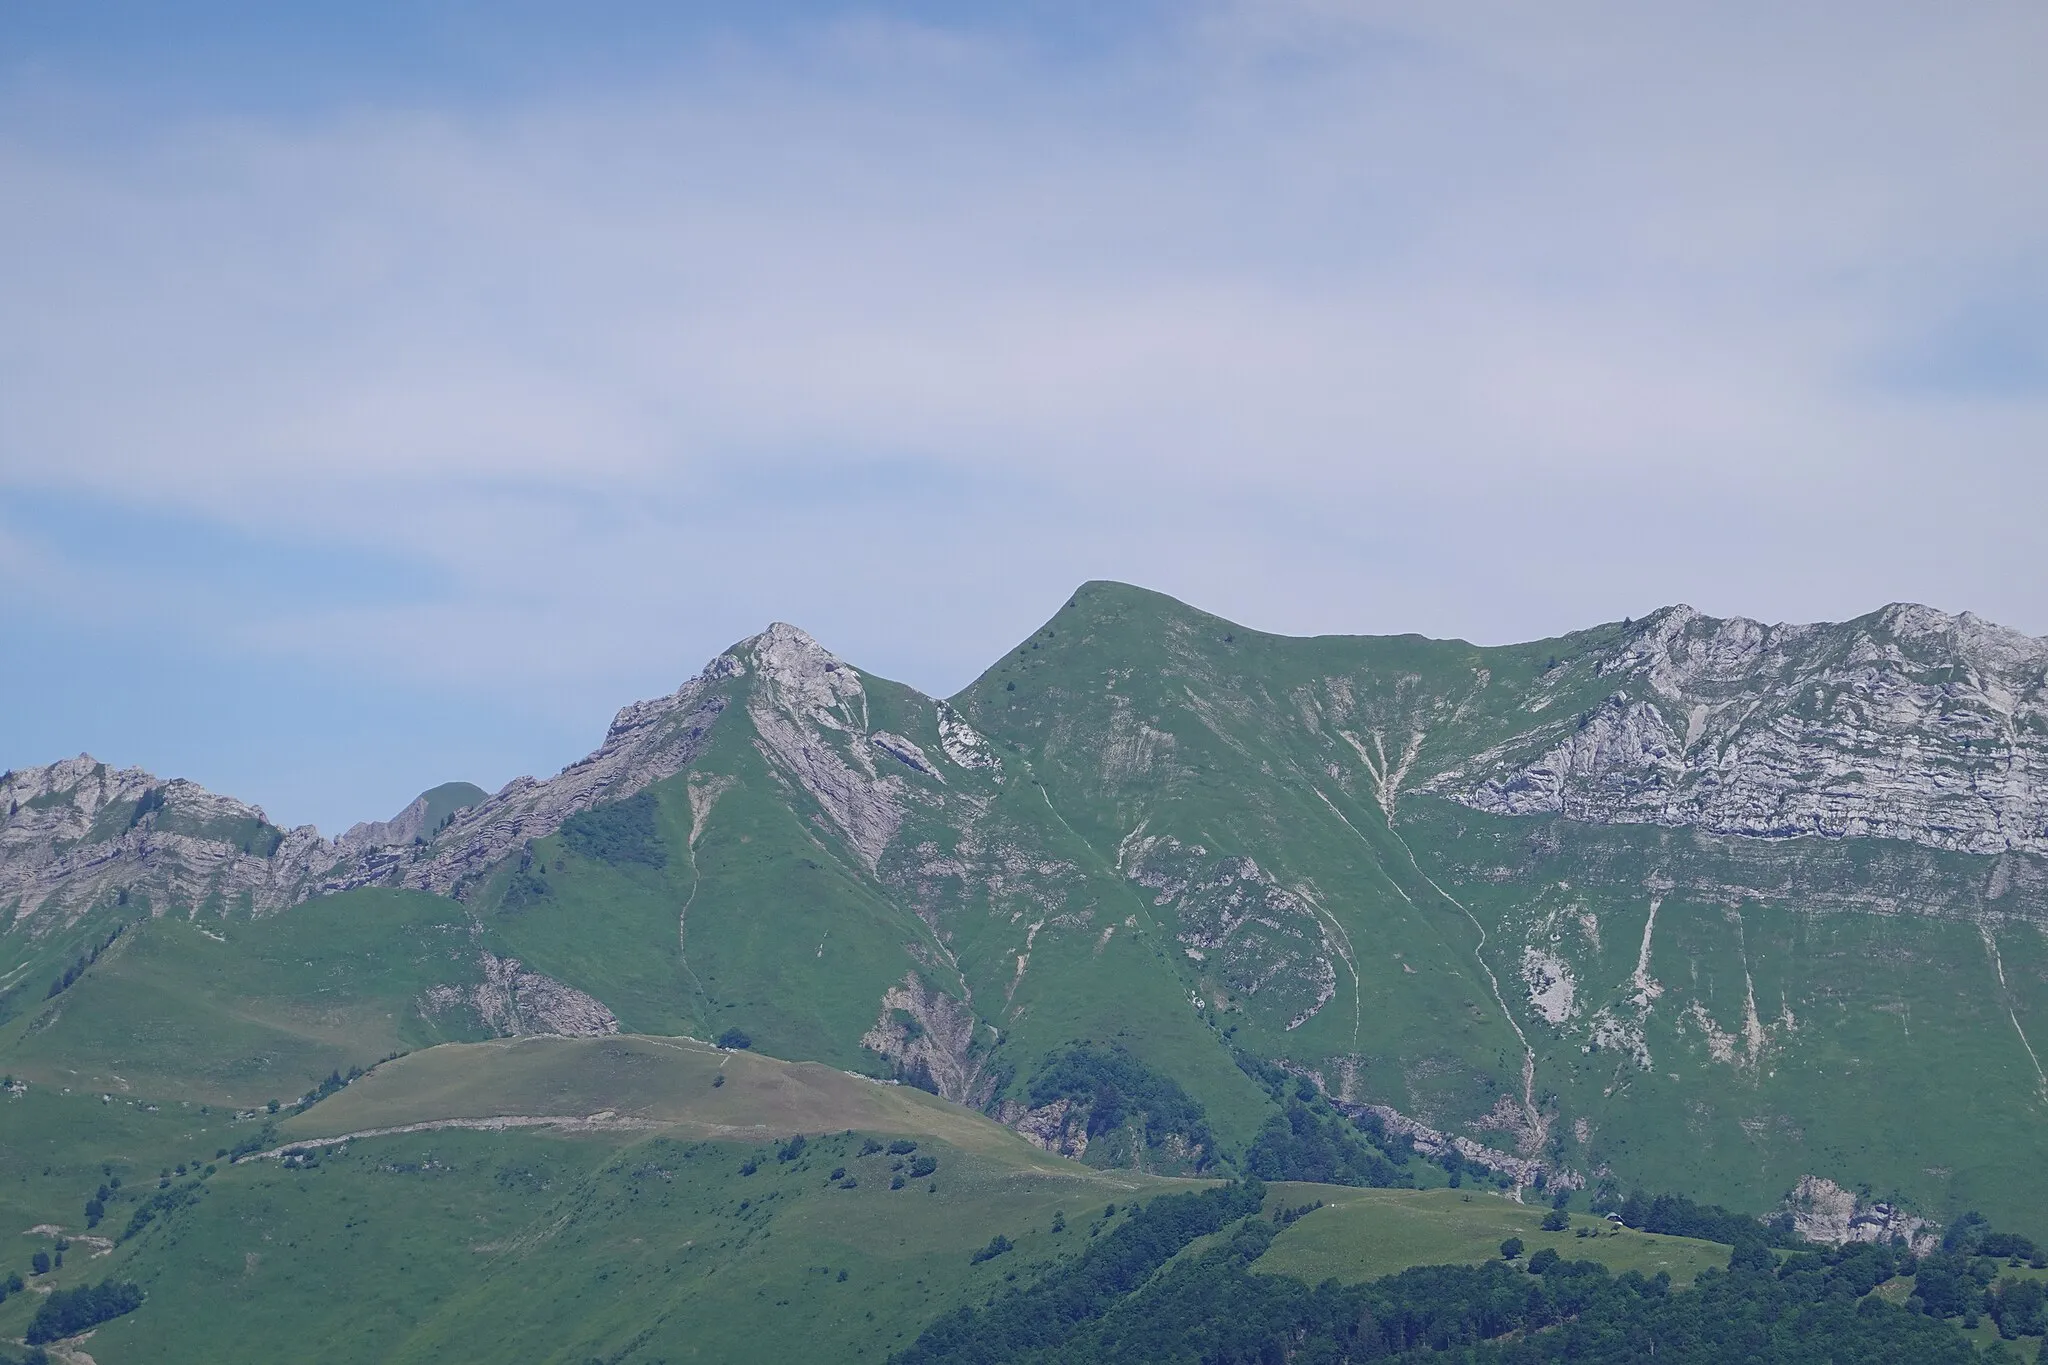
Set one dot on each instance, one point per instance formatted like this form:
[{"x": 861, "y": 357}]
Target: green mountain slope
[
  {"x": 1693, "y": 904},
  {"x": 1798, "y": 1005}
]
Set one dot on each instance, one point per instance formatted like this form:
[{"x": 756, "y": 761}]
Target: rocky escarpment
[
  {"x": 1824, "y": 1212},
  {"x": 809, "y": 711},
  {"x": 512, "y": 1001},
  {"x": 78, "y": 834},
  {"x": 929, "y": 1037},
  {"x": 1060, "y": 1127},
  {"x": 647, "y": 742},
  {"x": 1255, "y": 939},
  {"x": 1905, "y": 724}
]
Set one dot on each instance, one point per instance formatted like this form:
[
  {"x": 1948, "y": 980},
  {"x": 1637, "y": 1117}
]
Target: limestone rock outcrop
[
  {"x": 1905, "y": 724},
  {"x": 512, "y": 1001}
]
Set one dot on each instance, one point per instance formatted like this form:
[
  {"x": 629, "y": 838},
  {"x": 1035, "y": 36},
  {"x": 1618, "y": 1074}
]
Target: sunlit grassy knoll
[
  {"x": 666, "y": 1081},
  {"x": 1361, "y": 1235}
]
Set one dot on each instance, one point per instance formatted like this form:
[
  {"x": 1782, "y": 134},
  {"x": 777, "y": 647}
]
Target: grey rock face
[
  {"x": 511, "y": 1001},
  {"x": 906, "y": 752},
  {"x": 1824, "y": 1212},
  {"x": 928, "y": 1035},
  {"x": 810, "y": 715},
  {"x": 1060, "y": 1127},
  {"x": 1905, "y": 724},
  {"x": 77, "y": 833},
  {"x": 964, "y": 744},
  {"x": 1253, "y": 936}
]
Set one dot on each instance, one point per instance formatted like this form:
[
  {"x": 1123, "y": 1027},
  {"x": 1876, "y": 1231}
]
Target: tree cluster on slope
[
  {"x": 1314, "y": 1143},
  {"x": 620, "y": 833},
  {"x": 1210, "y": 1309},
  {"x": 67, "y": 1312},
  {"x": 1117, "y": 1089}
]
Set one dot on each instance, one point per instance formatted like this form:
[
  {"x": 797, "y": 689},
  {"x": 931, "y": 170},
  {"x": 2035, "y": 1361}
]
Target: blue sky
[{"x": 388, "y": 394}]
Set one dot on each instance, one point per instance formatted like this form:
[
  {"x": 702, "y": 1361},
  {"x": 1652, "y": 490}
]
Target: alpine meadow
[{"x": 1174, "y": 992}]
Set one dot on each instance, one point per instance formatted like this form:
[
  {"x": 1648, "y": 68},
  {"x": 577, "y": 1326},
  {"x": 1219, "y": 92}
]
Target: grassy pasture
[
  {"x": 1360, "y": 1235},
  {"x": 690, "y": 1238},
  {"x": 665, "y": 1081},
  {"x": 241, "y": 1012}
]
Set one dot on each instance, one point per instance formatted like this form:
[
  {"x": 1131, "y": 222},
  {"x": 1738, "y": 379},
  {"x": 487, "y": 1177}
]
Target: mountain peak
[
  {"x": 782, "y": 642},
  {"x": 422, "y": 816}
]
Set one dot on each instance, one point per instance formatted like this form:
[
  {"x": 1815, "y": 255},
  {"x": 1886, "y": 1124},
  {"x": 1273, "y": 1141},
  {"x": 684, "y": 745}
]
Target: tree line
[{"x": 1129, "y": 1301}]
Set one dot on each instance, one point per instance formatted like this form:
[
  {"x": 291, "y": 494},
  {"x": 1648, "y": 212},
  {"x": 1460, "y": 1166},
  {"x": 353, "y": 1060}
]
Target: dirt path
[{"x": 600, "y": 1122}]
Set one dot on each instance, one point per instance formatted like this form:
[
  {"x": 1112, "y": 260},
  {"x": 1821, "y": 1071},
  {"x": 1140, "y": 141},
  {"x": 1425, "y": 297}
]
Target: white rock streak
[
  {"x": 1552, "y": 992},
  {"x": 964, "y": 744}
]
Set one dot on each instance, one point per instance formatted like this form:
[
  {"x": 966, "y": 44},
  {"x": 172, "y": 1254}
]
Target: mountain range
[
  {"x": 1753, "y": 912},
  {"x": 1704, "y": 894}
]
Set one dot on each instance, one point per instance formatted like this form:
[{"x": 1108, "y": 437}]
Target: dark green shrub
[
  {"x": 67, "y": 1312},
  {"x": 162, "y": 1202},
  {"x": 1310, "y": 1142},
  {"x": 1116, "y": 1089},
  {"x": 2020, "y": 1308},
  {"x": 623, "y": 832}
]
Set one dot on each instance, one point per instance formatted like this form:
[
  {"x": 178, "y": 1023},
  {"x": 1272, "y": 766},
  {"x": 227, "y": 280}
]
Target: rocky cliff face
[
  {"x": 78, "y": 834},
  {"x": 647, "y": 742},
  {"x": 511, "y": 1001},
  {"x": 1906, "y": 724}
]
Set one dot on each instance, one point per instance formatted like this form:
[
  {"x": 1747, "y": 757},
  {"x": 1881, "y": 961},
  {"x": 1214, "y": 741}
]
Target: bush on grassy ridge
[
  {"x": 1304, "y": 1144},
  {"x": 67, "y": 1312},
  {"x": 1116, "y": 1088},
  {"x": 162, "y": 1202},
  {"x": 619, "y": 833}
]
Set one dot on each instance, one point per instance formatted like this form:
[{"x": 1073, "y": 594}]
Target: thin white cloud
[{"x": 1477, "y": 319}]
